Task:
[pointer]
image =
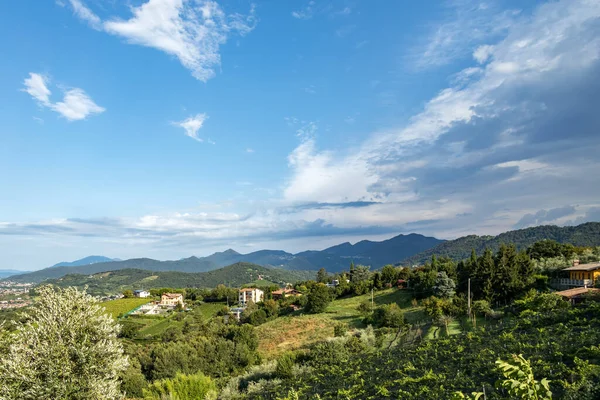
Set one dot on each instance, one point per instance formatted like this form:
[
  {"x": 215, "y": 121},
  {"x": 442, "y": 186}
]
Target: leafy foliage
[
  {"x": 520, "y": 383},
  {"x": 67, "y": 348}
]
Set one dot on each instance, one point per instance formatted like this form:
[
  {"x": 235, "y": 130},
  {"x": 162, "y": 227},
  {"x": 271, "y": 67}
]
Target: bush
[
  {"x": 340, "y": 330},
  {"x": 389, "y": 315},
  {"x": 257, "y": 317},
  {"x": 285, "y": 366},
  {"x": 182, "y": 387}
]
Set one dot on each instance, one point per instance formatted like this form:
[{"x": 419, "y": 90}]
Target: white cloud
[
  {"x": 84, "y": 13},
  {"x": 483, "y": 53},
  {"x": 192, "y": 125},
  {"x": 35, "y": 85},
  {"x": 192, "y": 31},
  {"x": 76, "y": 104},
  {"x": 249, "y": 150}
]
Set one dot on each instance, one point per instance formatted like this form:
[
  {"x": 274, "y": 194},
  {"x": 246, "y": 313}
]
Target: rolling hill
[
  {"x": 234, "y": 275},
  {"x": 587, "y": 234},
  {"x": 333, "y": 259},
  {"x": 84, "y": 261}
]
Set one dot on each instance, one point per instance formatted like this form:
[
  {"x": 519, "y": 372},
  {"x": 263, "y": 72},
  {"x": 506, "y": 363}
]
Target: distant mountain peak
[
  {"x": 231, "y": 252},
  {"x": 84, "y": 261}
]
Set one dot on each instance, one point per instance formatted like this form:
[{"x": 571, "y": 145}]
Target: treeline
[{"x": 585, "y": 235}]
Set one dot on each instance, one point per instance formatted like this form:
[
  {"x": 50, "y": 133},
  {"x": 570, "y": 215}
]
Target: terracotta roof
[
  {"x": 248, "y": 289},
  {"x": 575, "y": 292},
  {"x": 282, "y": 291},
  {"x": 584, "y": 267},
  {"x": 172, "y": 295}
]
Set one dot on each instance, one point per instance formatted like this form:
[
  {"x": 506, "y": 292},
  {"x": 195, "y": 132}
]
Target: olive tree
[{"x": 64, "y": 347}]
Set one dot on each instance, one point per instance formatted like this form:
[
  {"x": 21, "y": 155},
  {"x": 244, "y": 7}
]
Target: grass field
[
  {"x": 121, "y": 306},
  {"x": 296, "y": 331},
  {"x": 208, "y": 310}
]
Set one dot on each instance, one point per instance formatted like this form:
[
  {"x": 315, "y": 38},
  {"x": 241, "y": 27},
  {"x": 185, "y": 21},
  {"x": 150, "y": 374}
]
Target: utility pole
[
  {"x": 372, "y": 303},
  {"x": 469, "y": 298}
]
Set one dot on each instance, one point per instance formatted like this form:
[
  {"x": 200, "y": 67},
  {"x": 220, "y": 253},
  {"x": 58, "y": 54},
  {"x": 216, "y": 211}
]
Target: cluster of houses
[
  {"x": 255, "y": 295},
  {"x": 17, "y": 303}
]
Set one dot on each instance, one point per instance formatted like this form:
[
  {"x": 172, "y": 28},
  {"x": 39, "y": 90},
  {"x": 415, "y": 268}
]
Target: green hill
[
  {"x": 587, "y": 234},
  {"x": 235, "y": 275}
]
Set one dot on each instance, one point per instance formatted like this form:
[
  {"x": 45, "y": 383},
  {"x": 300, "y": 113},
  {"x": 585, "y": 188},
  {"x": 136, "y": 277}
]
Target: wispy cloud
[
  {"x": 85, "y": 14},
  {"x": 192, "y": 125},
  {"x": 469, "y": 23},
  {"x": 345, "y": 31},
  {"x": 76, "y": 104},
  {"x": 249, "y": 150},
  {"x": 310, "y": 89},
  {"x": 307, "y": 12},
  {"x": 192, "y": 31}
]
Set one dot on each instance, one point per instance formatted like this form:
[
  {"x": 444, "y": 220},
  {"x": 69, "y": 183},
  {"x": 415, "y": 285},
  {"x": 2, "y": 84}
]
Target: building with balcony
[
  {"x": 581, "y": 275},
  {"x": 253, "y": 295}
]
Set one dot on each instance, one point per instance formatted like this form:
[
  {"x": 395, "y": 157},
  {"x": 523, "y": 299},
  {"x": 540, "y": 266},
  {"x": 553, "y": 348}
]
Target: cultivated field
[{"x": 121, "y": 306}]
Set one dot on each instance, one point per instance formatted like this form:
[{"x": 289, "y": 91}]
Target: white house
[
  {"x": 141, "y": 293},
  {"x": 251, "y": 295}
]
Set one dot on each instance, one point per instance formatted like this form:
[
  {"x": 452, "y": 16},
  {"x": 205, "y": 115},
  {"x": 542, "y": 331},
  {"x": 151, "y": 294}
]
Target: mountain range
[
  {"x": 336, "y": 258},
  {"x": 400, "y": 250}
]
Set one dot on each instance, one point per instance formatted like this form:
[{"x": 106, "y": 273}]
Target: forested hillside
[
  {"x": 587, "y": 234},
  {"x": 235, "y": 275},
  {"x": 336, "y": 258}
]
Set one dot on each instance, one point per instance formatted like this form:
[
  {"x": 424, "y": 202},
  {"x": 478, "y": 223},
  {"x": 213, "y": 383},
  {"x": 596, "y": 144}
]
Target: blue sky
[{"x": 170, "y": 128}]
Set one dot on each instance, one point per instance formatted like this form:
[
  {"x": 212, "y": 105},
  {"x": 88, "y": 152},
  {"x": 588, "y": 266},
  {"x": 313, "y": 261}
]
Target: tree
[
  {"x": 127, "y": 294},
  {"x": 322, "y": 276},
  {"x": 182, "y": 387},
  {"x": 389, "y": 274},
  {"x": 257, "y": 317},
  {"x": 377, "y": 282},
  {"x": 361, "y": 273},
  {"x": 318, "y": 299},
  {"x": 388, "y": 315},
  {"x": 444, "y": 286},
  {"x": 66, "y": 348}
]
